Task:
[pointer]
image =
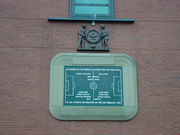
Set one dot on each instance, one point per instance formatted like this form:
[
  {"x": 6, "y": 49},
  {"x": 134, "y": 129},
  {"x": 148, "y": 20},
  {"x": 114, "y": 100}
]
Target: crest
[{"x": 93, "y": 40}]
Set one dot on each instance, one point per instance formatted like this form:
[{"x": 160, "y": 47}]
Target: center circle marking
[{"x": 93, "y": 85}]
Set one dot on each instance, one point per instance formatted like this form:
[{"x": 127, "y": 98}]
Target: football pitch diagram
[{"x": 93, "y": 85}]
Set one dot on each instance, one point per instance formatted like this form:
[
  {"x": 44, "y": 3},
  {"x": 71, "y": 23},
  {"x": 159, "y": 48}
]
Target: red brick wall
[{"x": 28, "y": 42}]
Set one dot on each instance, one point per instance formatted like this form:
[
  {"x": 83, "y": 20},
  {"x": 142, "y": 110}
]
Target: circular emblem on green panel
[
  {"x": 93, "y": 36},
  {"x": 93, "y": 85}
]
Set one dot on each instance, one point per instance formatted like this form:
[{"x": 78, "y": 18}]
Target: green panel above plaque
[{"x": 86, "y": 86}]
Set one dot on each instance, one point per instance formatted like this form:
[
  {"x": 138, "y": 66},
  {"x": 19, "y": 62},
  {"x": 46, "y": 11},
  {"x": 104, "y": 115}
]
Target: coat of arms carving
[{"x": 93, "y": 39}]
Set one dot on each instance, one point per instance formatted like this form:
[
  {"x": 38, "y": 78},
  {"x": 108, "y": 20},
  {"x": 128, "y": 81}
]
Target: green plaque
[{"x": 93, "y": 86}]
